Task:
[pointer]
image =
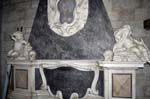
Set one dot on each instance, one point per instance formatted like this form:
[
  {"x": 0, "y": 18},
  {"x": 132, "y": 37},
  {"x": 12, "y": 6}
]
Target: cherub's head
[
  {"x": 17, "y": 36},
  {"x": 122, "y": 33}
]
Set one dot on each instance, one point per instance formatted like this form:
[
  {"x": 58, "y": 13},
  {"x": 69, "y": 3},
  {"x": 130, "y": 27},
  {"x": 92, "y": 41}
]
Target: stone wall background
[
  {"x": 133, "y": 12},
  {"x": 17, "y": 13},
  {"x": 0, "y": 42}
]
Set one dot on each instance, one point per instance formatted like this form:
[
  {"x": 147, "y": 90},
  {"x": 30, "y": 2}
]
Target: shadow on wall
[{"x": 1, "y": 68}]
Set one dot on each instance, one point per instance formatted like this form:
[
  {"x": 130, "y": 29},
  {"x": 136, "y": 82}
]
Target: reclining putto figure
[{"x": 127, "y": 48}]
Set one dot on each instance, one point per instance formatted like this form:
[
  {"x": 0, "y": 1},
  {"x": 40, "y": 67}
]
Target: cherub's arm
[{"x": 138, "y": 42}]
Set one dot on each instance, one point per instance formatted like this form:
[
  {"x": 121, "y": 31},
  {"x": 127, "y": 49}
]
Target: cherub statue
[
  {"x": 22, "y": 49},
  {"x": 127, "y": 45}
]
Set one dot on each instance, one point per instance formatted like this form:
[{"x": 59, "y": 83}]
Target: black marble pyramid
[{"x": 88, "y": 43}]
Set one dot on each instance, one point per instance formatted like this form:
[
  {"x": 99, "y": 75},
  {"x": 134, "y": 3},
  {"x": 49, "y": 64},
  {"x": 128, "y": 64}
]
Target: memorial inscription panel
[
  {"x": 21, "y": 78},
  {"x": 122, "y": 85}
]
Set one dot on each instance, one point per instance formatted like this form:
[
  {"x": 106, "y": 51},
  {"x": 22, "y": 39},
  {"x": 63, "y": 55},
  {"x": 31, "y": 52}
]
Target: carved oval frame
[{"x": 80, "y": 18}]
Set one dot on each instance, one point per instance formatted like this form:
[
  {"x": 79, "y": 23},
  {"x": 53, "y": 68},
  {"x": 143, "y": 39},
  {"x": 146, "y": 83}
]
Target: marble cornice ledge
[
  {"x": 121, "y": 65},
  {"x": 79, "y": 64}
]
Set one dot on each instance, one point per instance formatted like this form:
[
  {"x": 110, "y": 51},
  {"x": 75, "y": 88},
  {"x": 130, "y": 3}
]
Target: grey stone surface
[
  {"x": 125, "y": 4},
  {"x": 6, "y": 46},
  {"x": 146, "y": 4},
  {"x": 142, "y": 82},
  {"x": 141, "y": 14},
  {"x": 35, "y": 3},
  {"x": 126, "y": 15},
  {"x": 18, "y": 1},
  {"x": 28, "y": 23},
  {"x": 30, "y": 14},
  {"x": 114, "y": 16},
  {"x": 1, "y": 76},
  {"x": 9, "y": 28}
]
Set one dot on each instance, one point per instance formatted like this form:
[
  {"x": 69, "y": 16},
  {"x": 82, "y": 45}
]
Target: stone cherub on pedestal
[
  {"x": 22, "y": 49},
  {"x": 127, "y": 48}
]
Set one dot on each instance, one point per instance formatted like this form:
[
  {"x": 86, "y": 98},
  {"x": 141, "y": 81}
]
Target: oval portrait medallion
[{"x": 67, "y": 17}]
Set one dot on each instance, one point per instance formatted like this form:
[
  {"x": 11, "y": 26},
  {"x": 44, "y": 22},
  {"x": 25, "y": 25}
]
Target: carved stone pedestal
[{"x": 119, "y": 79}]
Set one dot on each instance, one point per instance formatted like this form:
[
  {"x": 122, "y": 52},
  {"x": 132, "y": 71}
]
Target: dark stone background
[{"x": 88, "y": 43}]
